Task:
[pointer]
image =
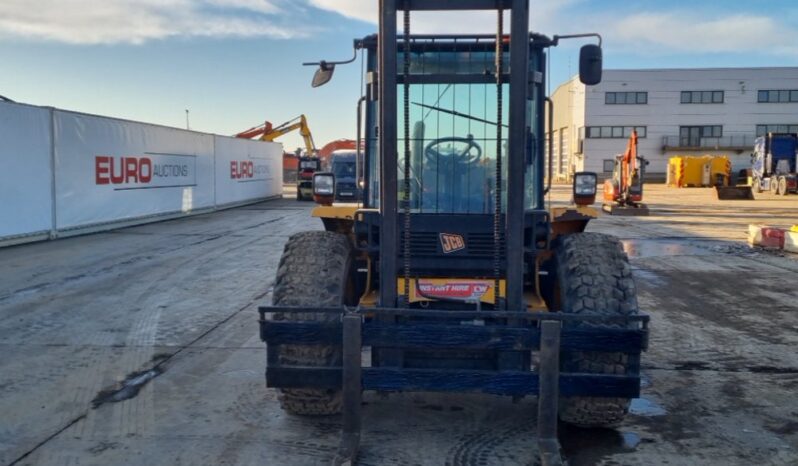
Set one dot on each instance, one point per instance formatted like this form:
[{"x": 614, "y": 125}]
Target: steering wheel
[{"x": 471, "y": 154}]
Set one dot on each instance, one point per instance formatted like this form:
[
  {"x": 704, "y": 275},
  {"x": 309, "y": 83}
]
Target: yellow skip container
[{"x": 698, "y": 171}]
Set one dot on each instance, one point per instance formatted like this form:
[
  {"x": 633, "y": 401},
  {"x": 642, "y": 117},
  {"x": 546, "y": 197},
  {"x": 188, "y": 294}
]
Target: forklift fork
[{"x": 548, "y": 398}]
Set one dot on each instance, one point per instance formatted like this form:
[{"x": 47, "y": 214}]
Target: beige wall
[{"x": 569, "y": 117}]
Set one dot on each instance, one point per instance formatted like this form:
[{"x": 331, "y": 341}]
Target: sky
[{"x": 236, "y": 63}]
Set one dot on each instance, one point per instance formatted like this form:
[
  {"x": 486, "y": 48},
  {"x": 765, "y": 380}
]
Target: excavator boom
[
  {"x": 268, "y": 132},
  {"x": 308, "y": 164}
]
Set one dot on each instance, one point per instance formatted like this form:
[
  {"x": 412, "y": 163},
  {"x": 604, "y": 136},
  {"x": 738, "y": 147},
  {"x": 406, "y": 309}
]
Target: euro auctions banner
[
  {"x": 247, "y": 169},
  {"x": 26, "y": 206},
  {"x": 115, "y": 170}
]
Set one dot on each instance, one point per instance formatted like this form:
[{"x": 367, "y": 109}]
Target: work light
[
  {"x": 323, "y": 188},
  {"x": 585, "y": 188}
]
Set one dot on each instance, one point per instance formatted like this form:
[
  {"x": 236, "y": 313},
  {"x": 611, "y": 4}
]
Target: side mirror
[
  {"x": 590, "y": 64},
  {"x": 323, "y": 75}
]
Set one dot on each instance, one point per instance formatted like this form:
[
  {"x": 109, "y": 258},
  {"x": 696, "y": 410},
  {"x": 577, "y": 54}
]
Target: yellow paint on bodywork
[
  {"x": 346, "y": 212},
  {"x": 571, "y": 219},
  {"x": 585, "y": 212},
  {"x": 370, "y": 300}
]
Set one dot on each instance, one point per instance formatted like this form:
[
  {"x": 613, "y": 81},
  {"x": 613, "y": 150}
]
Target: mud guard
[{"x": 574, "y": 219}]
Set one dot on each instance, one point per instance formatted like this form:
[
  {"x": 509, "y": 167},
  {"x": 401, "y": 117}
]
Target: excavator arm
[
  {"x": 267, "y": 132},
  {"x": 628, "y": 166}
]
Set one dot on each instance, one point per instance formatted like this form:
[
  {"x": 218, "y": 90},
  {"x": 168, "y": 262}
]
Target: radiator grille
[{"x": 428, "y": 244}]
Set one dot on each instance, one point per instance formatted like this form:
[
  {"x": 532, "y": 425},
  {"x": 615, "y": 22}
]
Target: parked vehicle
[{"x": 774, "y": 163}]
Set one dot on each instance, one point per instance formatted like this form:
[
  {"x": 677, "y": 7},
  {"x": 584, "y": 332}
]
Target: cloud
[
  {"x": 138, "y": 21},
  {"x": 639, "y": 33},
  {"x": 363, "y": 10},
  {"x": 733, "y": 33},
  {"x": 543, "y": 16}
]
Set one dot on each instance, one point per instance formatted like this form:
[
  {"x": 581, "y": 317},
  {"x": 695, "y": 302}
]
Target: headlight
[
  {"x": 585, "y": 188},
  {"x": 585, "y": 184},
  {"x": 323, "y": 184}
]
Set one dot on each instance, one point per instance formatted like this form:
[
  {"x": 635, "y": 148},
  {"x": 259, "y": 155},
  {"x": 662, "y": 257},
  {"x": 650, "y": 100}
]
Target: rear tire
[
  {"x": 314, "y": 271},
  {"x": 774, "y": 185},
  {"x": 594, "y": 276},
  {"x": 756, "y": 186}
]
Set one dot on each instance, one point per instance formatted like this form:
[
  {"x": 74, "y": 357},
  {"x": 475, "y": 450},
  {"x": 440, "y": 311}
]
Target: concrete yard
[{"x": 140, "y": 346}]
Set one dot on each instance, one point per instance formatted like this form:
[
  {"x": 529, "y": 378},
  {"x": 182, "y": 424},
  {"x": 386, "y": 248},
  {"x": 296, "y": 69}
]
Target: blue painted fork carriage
[{"x": 548, "y": 333}]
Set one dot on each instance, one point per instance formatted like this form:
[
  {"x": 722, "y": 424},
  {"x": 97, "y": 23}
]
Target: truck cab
[{"x": 774, "y": 163}]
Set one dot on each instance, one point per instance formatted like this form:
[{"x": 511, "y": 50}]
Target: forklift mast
[{"x": 515, "y": 153}]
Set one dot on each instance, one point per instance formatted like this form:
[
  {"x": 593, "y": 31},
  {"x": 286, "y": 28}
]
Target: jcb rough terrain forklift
[{"x": 452, "y": 273}]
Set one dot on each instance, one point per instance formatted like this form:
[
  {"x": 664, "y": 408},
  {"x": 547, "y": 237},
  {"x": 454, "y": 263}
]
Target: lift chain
[
  {"x": 406, "y": 184},
  {"x": 497, "y": 206}
]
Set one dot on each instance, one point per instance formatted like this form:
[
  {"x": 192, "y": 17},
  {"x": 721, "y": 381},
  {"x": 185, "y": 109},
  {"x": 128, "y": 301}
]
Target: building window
[
  {"x": 777, "y": 96},
  {"x": 609, "y": 165},
  {"x": 762, "y": 130},
  {"x": 702, "y": 97},
  {"x": 690, "y": 136},
  {"x": 614, "y": 132},
  {"x": 626, "y": 98}
]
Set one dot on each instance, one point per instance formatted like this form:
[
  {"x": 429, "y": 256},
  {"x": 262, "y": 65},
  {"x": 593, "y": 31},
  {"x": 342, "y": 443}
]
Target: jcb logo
[{"x": 451, "y": 243}]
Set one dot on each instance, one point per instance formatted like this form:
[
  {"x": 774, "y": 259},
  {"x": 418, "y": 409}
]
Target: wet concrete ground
[{"x": 140, "y": 346}]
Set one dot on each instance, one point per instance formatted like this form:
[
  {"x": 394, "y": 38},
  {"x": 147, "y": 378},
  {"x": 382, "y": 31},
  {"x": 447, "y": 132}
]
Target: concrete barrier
[
  {"x": 773, "y": 237},
  {"x": 791, "y": 241}
]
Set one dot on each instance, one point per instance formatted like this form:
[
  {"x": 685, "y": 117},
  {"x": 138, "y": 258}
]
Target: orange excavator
[
  {"x": 309, "y": 163},
  {"x": 623, "y": 193}
]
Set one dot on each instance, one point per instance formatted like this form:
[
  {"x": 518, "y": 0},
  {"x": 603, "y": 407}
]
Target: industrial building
[{"x": 717, "y": 111}]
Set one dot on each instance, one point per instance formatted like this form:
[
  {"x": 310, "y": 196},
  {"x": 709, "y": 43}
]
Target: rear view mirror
[
  {"x": 590, "y": 64},
  {"x": 323, "y": 75}
]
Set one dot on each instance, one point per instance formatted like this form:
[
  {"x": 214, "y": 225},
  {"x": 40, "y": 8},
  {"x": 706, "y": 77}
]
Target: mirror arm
[
  {"x": 556, "y": 39},
  {"x": 324, "y": 63}
]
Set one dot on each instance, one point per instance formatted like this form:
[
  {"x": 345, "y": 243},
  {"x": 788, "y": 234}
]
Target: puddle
[
  {"x": 582, "y": 446},
  {"x": 643, "y": 275},
  {"x": 641, "y": 248},
  {"x": 126, "y": 389},
  {"x": 646, "y": 407}
]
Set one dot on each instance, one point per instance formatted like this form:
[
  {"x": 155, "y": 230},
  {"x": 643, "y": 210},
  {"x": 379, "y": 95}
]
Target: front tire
[
  {"x": 314, "y": 271},
  {"x": 594, "y": 276},
  {"x": 783, "y": 185}
]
